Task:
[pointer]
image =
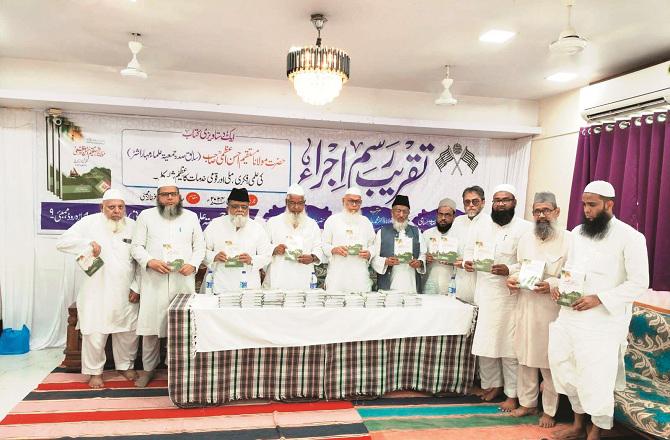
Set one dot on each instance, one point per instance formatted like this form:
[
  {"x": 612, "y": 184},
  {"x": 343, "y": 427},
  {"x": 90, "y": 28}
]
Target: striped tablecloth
[{"x": 433, "y": 364}]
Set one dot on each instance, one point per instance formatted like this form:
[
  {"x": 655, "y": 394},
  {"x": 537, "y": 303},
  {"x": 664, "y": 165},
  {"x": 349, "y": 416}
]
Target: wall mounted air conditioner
[{"x": 626, "y": 94}]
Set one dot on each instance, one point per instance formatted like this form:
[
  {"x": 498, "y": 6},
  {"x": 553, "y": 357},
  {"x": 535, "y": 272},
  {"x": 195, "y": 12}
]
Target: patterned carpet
[{"x": 63, "y": 406}]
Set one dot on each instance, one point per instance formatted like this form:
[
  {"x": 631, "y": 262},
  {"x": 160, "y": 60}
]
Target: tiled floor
[{"x": 20, "y": 374}]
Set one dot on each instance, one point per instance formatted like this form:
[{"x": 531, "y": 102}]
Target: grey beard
[
  {"x": 238, "y": 220},
  {"x": 399, "y": 226},
  {"x": 544, "y": 230},
  {"x": 295, "y": 220},
  {"x": 351, "y": 217},
  {"x": 170, "y": 212},
  {"x": 116, "y": 226}
]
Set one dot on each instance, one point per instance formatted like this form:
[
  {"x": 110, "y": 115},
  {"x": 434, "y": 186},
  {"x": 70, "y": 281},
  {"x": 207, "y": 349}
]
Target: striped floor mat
[
  {"x": 63, "y": 406},
  {"x": 410, "y": 416}
]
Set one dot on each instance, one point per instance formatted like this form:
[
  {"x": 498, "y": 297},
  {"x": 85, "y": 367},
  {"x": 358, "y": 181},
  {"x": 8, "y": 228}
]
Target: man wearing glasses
[
  {"x": 462, "y": 230},
  {"x": 393, "y": 273},
  {"x": 296, "y": 244},
  {"x": 237, "y": 246},
  {"x": 168, "y": 244},
  {"x": 494, "y": 335},
  {"x": 348, "y": 237},
  {"x": 548, "y": 245}
]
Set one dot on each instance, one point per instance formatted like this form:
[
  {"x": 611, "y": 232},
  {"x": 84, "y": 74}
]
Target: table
[{"x": 343, "y": 370}]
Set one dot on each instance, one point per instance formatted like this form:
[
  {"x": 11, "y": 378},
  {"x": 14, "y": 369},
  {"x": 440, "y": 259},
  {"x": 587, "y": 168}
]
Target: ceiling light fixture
[
  {"x": 317, "y": 73},
  {"x": 496, "y": 36},
  {"x": 133, "y": 69},
  {"x": 446, "y": 98},
  {"x": 562, "y": 76}
]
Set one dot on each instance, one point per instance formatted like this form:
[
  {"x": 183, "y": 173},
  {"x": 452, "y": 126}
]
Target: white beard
[
  {"x": 238, "y": 220},
  {"x": 400, "y": 226},
  {"x": 116, "y": 226},
  {"x": 295, "y": 220},
  {"x": 351, "y": 218}
]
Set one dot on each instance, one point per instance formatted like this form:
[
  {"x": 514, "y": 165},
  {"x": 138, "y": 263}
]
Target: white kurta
[
  {"x": 494, "y": 334},
  {"x": 586, "y": 347},
  {"x": 251, "y": 239},
  {"x": 534, "y": 310},
  {"x": 102, "y": 299},
  {"x": 463, "y": 230},
  {"x": 350, "y": 273},
  {"x": 403, "y": 277},
  {"x": 157, "y": 290},
  {"x": 438, "y": 274},
  {"x": 288, "y": 274}
]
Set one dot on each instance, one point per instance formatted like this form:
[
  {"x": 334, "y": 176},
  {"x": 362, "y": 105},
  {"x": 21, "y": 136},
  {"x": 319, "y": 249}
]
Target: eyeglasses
[
  {"x": 290, "y": 203},
  {"x": 473, "y": 202},
  {"x": 353, "y": 202},
  {"x": 168, "y": 194},
  {"x": 544, "y": 211},
  {"x": 400, "y": 210},
  {"x": 502, "y": 201},
  {"x": 236, "y": 207}
]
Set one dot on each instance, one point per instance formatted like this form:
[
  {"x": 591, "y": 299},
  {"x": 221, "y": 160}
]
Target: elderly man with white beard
[
  {"x": 296, "y": 242},
  {"x": 588, "y": 339},
  {"x": 107, "y": 299},
  {"x": 347, "y": 239},
  {"x": 169, "y": 247},
  {"x": 393, "y": 273},
  {"x": 547, "y": 246},
  {"x": 439, "y": 273},
  {"x": 237, "y": 246}
]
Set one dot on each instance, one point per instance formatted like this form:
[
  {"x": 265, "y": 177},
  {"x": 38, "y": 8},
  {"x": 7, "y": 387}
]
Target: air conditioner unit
[{"x": 626, "y": 94}]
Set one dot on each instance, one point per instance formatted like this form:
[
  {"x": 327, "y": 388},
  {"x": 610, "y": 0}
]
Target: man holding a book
[
  {"x": 107, "y": 295},
  {"x": 400, "y": 254},
  {"x": 608, "y": 268},
  {"x": 493, "y": 257},
  {"x": 442, "y": 249},
  {"x": 542, "y": 253},
  {"x": 169, "y": 247}
]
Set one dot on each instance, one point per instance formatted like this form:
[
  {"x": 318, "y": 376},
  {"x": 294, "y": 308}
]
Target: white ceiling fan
[
  {"x": 133, "y": 69},
  {"x": 569, "y": 42}
]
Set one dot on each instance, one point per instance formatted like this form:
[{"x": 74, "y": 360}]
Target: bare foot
[
  {"x": 478, "y": 391},
  {"x": 523, "y": 411},
  {"x": 593, "y": 432},
  {"x": 492, "y": 394},
  {"x": 128, "y": 374},
  {"x": 510, "y": 404},
  {"x": 546, "y": 421},
  {"x": 96, "y": 381},
  {"x": 144, "y": 379},
  {"x": 571, "y": 433}
]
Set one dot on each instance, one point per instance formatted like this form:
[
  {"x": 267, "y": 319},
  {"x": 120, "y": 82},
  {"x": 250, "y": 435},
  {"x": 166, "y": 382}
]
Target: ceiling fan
[{"x": 569, "y": 42}]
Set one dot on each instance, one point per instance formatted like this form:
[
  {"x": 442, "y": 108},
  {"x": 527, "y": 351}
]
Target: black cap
[
  {"x": 400, "y": 200},
  {"x": 239, "y": 195}
]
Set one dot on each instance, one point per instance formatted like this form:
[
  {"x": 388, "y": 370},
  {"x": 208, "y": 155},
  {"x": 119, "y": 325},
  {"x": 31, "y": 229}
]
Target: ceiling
[{"x": 393, "y": 44}]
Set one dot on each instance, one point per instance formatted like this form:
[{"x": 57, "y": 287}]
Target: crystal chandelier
[{"x": 317, "y": 73}]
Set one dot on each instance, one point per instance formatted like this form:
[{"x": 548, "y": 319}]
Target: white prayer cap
[
  {"x": 600, "y": 187},
  {"x": 166, "y": 181},
  {"x": 447, "y": 202},
  {"x": 354, "y": 191},
  {"x": 295, "y": 190},
  {"x": 505, "y": 187},
  {"x": 113, "y": 194}
]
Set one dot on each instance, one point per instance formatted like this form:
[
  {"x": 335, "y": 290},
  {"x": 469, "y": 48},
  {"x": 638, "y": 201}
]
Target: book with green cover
[
  {"x": 570, "y": 287},
  {"x": 531, "y": 273},
  {"x": 354, "y": 249},
  {"x": 232, "y": 251},
  {"x": 89, "y": 264},
  {"x": 447, "y": 249},
  {"x": 402, "y": 248},
  {"x": 294, "y": 247},
  {"x": 484, "y": 256}
]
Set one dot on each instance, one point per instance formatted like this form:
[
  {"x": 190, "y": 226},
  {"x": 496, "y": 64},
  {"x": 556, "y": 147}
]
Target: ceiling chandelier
[{"x": 317, "y": 73}]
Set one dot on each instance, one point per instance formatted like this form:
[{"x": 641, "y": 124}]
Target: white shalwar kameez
[
  {"x": 103, "y": 307},
  {"x": 438, "y": 274},
  {"x": 463, "y": 230},
  {"x": 586, "y": 348}
]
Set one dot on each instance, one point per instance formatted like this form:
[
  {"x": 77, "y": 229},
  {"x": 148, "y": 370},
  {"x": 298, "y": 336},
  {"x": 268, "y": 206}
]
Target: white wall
[{"x": 552, "y": 156}]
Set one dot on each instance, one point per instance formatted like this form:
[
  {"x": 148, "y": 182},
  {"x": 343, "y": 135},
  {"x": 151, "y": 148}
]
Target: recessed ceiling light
[
  {"x": 562, "y": 76},
  {"x": 496, "y": 36}
]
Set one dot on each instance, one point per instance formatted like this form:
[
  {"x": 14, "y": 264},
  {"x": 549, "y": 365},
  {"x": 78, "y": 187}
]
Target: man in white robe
[
  {"x": 237, "y": 246},
  {"x": 462, "y": 230},
  {"x": 439, "y": 273},
  {"x": 106, "y": 300},
  {"x": 494, "y": 335},
  {"x": 169, "y": 246},
  {"x": 394, "y": 274},
  {"x": 347, "y": 238},
  {"x": 546, "y": 246},
  {"x": 296, "y": 243},
  {"x": 588, "y": 340}
]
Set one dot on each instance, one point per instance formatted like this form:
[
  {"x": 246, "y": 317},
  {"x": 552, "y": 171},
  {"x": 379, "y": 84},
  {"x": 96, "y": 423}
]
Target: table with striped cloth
[{"x": 433, "y": 364}]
